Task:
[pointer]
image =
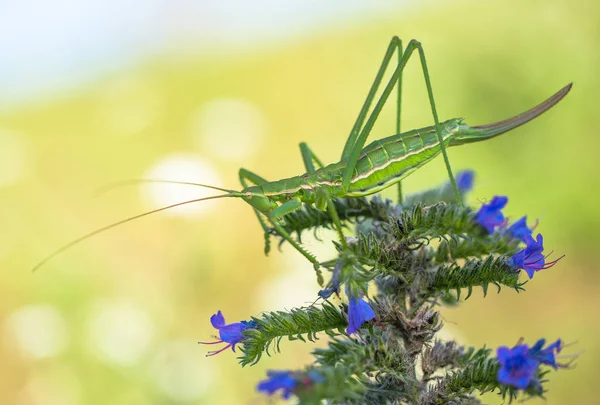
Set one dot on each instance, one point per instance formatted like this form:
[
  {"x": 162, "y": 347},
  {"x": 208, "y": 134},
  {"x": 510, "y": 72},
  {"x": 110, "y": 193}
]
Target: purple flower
[
  {"x": 519, "y": 230},
  {"x": 359, "y": 312},
  {"x": 287, "y": 382},
  {"x": 490, "y": 215},
  {"x": 464, "y": 180},
  {"x": 278, "y": 380},
  {"x": 531, "y": 258},
  {"x": 231, "y": 333},
  {"x": 518, "y": 365}
]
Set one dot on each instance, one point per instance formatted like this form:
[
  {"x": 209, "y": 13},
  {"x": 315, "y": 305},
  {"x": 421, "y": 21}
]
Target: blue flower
[
  {"x": 490, "y": 215},
  {"x": 531, "y": 258},
  {"x": 464, "y": 180},
  {"x": 519, "y": 230},
  {"x": 231, "y": 333},
  {"x": 327, "y": 292},
  {"x": 518, "y": 365},
  {"x": 287, "y": 382},
  {"x": 335, "y": 282},
  {"x": 359, "y": 312},
  {"x": 278, "y": 380}
]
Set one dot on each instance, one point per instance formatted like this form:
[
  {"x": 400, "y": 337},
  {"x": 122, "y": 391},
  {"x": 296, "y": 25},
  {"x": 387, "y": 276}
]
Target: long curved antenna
[
  {"x": 122, "y": 183},
  {"x": 123, "y": 221}
]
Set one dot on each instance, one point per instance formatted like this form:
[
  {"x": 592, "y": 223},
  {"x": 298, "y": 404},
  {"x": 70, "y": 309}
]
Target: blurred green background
[{"x": 116, "y": 319}]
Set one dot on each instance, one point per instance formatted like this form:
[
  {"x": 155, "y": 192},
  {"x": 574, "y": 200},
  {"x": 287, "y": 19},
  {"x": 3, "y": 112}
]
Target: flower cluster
[
  {"x": 519, "y": 365},
  {"x": 530, "y": 258}
]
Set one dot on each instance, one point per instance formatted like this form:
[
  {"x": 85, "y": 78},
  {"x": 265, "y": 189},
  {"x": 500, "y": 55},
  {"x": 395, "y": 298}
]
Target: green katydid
[{"x": 361, "y": 170}]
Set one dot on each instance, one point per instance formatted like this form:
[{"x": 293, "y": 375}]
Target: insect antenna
[
  {"x": 122, "y": 183},
  {"x": 123, "y": 221}
]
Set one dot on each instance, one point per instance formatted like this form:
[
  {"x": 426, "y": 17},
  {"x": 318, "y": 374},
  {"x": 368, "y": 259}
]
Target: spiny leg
[
  {"x": 282, "y": 211},
  {"x": 256, "y": 179},
  {"x": 308, "y": 156},
  {"x": 360, "y": 142}
]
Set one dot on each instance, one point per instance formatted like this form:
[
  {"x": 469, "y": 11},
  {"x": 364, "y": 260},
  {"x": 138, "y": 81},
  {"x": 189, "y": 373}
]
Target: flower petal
[
  {"x": 464, "y": 180},
  {"x": 278, "y": 380},
  {"x": 217, "y": 320},
  {"x": 359, "y": 311},
  {"x": 520, "y": 230},
  {"x": 490, "y": 215},
  {"x": 232, "y": 333}
]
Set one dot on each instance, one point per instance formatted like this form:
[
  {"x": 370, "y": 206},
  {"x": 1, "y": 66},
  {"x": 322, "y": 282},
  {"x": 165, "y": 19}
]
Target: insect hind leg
[
  {"x": 416, "y": 44},
  {"x": 356, "y": 149}
]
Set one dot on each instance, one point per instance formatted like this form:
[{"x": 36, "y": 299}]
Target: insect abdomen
[{"x": 385, "y": 162}]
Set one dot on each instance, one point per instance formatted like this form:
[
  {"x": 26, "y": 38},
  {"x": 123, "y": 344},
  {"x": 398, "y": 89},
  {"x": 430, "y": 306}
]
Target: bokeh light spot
[
  {"x": 231, "y": 129},
  {"x": 120, "y": 333},
  {"x": 39, "y": 331},
  {"x": 53, "y": 386},
  {"x": 181, "y": 167},
  {"x": 182, "y": 372},
  {"x": 13, "y": 158}
]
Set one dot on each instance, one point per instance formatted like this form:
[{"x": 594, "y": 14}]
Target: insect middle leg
[
  {"x": 323, "y": 198},
  {"x": 352, "y": 151}
]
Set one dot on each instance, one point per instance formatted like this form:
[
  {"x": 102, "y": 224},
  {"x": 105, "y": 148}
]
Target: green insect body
[
  {"x": 384, "y": 162},
  {"x": 362, "y": 170}
]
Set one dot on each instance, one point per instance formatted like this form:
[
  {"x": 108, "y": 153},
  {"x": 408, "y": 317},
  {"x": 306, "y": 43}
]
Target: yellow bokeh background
[{"x": 116, "y": 319}]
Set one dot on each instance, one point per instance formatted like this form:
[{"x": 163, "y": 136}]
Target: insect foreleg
[
  {"x": 281, "y": 211},
  {"x": 248, "y": 176}
]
